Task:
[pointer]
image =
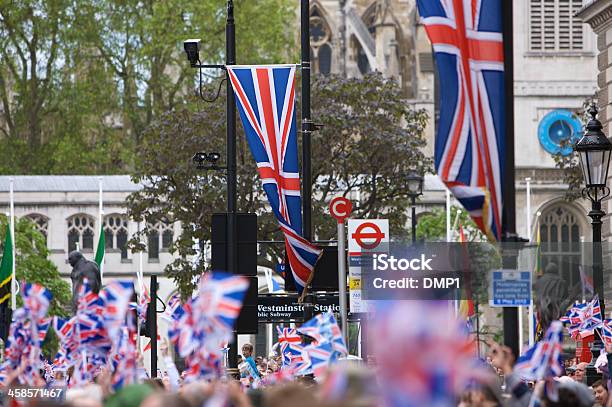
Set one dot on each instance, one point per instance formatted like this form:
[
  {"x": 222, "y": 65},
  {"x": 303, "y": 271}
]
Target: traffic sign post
[
  {"x": 366, "y": 236},
  {"x": 340, "y": 208}
]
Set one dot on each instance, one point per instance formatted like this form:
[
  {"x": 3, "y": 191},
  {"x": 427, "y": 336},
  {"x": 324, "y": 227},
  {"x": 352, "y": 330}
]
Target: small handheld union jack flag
[
  {"x": 266, "y": 100},
  {"x": 543, "y": 361}
]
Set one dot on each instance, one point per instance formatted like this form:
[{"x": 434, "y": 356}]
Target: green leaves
[{"x": 80, "y": 81}]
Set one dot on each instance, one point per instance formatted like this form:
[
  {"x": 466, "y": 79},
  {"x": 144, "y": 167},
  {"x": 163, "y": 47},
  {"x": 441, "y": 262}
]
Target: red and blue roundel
[{"x": 558, "y": 131}]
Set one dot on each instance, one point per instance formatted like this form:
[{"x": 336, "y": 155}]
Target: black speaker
[
  {"x": 247, "y": 322},
  {"x": 247, "y": 243},
  {"x": 326, "y": 272}
]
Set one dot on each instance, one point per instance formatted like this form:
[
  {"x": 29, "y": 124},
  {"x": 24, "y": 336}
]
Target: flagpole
[
  {"x": 100, "y": 214},
  {"x": 448, "y": 237},
  {"x": 448, "y": 215},
  {"x": 530, "y": 308},
  {"x": 12, "y": 220}
]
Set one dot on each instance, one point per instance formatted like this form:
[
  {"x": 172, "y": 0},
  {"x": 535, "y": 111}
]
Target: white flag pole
[
  {"x": 448, "y": 216},
  {"x": 448, "y": 237},
  {"x": 528, "y": 223},
  {"x": 100, "y": 215},
  {"x": 528, "y": 205},
  {"x": 141, "y": 287},
  {"x": 12, "y": 227}
]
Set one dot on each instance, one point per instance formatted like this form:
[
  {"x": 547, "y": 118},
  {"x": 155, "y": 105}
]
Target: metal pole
[
  {"x": 153, "y": 324},
  {"x": 414, "y": 224},
  {"x": 510, "y": 314},
  {"x": 232, "y": 252},
  {"x": 306, "y": 123},
  {"x": 598, "y": 284},
  {"x": 342, "y": 279},
  {"x": 306, "y": 131},
  {"x": 598, "y": 281},
  {"x": 12, "y": 227}
]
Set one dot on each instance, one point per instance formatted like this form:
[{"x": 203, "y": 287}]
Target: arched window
[
  {"x": 560, "y": 236},
  {"x": 41, "y": 222},
  {"x": 80, "y": 232},
  {"x": 160, "y": 237},
  {"x": 320, "y": 41},
  {"x": 115, "y": 233}
]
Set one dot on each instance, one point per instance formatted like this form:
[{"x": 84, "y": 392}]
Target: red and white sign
[
  {"x": 340, "y": 208},
  {"x": 366, "y": 235}
]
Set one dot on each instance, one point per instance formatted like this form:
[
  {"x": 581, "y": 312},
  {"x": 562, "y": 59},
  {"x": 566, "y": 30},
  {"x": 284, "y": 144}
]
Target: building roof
[
  {"x": 110, "y": 183},
  {"x": 68, "y": 183}
]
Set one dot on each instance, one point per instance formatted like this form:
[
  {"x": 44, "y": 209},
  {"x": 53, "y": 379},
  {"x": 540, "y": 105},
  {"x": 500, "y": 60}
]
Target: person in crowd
[
  {"x": 580, "y": 372},
  {"x": 600, "y": 391},
  {"x": 249, "y": 367}
]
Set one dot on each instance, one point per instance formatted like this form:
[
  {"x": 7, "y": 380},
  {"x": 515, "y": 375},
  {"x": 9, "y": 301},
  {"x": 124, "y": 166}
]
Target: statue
[
  {"x": 83, "y": 269},
  {"x": 552, "y": 296}
]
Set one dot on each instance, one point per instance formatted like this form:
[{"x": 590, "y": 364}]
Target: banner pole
[{"x": 12, "y": 222}]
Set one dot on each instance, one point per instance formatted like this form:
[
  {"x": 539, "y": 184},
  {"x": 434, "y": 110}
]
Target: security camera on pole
[{"x": 340, "y": 208}]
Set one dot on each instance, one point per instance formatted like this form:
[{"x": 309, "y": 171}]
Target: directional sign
[
  {"x": 510, "y": 288},
  {"x": 340, "y": 208}
]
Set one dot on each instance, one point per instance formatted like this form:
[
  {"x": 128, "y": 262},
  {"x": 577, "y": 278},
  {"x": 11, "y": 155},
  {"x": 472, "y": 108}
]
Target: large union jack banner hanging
[
  {"x": 468, "y": 47},
  {"x": 266, "y": 101}
]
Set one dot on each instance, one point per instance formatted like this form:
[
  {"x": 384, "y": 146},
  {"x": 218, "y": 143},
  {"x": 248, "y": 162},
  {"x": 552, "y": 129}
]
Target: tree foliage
[
  {"x": 80, "y": 80},
  {"x": 370, "y": 140}
]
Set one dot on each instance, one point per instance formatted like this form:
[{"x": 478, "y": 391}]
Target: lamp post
[
  {"x": 594, "y": 150},
  {"x": 415, "y": 189},
  {"x": 192, "y": 48}
]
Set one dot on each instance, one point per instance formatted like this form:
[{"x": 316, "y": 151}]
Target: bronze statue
[
  {"x": 83, "y": 269},
  {"x": 551, "y": 296}
]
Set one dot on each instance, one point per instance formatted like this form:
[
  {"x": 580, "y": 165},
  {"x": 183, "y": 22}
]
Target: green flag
[
  {"x": 100, "y": 249},
  {"x": 6, "y": 267}
]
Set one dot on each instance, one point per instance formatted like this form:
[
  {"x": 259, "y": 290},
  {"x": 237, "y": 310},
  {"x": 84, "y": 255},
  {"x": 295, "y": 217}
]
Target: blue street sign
[{"x": 510, "y": 288}]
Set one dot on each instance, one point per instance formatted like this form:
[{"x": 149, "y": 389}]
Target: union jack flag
[
  {"x": 607, "y": 331},
  {"x": 36, "y": 300},
  {"x": 290, "y": 344},
  {"x": 116, "y": 296},
  {"x": 320, "y": 355},
  {"x": 590, "y": 318},
  {"x": 266, "y": 101},
  {"x": 43, "y": 328},
  {"x": 324, "y": 328},
  {"x": 467, "y": 40},
  {"x": 543, "y": 361}
]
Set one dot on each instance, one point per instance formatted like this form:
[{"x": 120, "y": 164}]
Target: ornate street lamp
[
  {"x": 594, "y": 150},
  {"x": 415, "y": 189}
]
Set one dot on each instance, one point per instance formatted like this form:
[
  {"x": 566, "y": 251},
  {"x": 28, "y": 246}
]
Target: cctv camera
[
  {"x": 199, "y": 157},
  {"x": 213, "y": 157},
  {"x": 192, "y": 48}
]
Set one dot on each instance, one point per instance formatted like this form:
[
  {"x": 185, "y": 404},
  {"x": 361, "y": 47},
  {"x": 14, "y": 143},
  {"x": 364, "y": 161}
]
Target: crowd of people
[
  {"x": 412, "y": 361},
  {"x": 350, "y": 382}
]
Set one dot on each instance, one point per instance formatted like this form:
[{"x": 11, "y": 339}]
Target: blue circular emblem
[{"x": 558, "y": 131}]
